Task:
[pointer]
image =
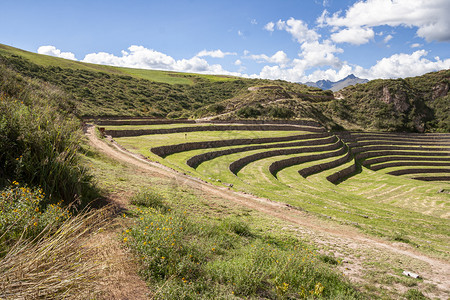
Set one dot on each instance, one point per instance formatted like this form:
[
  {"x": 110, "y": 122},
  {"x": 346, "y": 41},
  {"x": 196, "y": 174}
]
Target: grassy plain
[
  {"x": 229, "y": 235},
  {"x": 374, "y": 202}
]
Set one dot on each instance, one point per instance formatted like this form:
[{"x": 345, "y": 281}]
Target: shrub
[
  {"x": 39, "y": 143},
  {"x": 248, "y": 112},
  {"x": 281, "y": 112},
  {"x": 185, "y": 258},
  {"x": 57, "y": 264},
  {"x": 23, "y": 214},
  {"x": 149, "y": 198}
]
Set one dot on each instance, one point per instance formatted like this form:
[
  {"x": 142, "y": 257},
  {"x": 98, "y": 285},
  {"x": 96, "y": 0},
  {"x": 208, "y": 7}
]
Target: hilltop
[
  {"x": 336, "y": 85},
  {"x": 418, "y": 104}
]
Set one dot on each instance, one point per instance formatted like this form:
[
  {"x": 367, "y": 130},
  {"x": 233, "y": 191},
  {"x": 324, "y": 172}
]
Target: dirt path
[{"x": 343, "y": 240}]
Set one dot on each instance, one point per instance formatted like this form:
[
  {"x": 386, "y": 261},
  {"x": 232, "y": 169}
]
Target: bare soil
[{"x": 362, "y": 255}]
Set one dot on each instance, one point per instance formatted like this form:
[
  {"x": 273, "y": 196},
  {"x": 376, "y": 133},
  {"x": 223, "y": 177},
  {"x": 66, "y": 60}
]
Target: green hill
[{"x": 419, "y": 104}]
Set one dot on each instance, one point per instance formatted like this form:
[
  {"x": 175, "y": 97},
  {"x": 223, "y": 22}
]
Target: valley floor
[{"x": 374, "y": 265}]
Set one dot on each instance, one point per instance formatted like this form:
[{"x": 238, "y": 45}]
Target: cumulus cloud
[
  {"x": 430, "y": 16},
  {"x": 278, "y": 58},
  {"x": 399, "y": 65},
  {"x": 215, "y": 53},
  {"x": 416, "y": 45},
  {"x": 144, "y": 58},
  {"x": 320, "y": 54},
  {"x": 354, "y": 35},
  {"x": 387, "y": 38},
  {"x": 270, "y": 26},
  {"x": 298, "y": 29},
  {"x": 53, "y": 51},
  {"x": 238, "y": 62},
  {"x": 404, "y": 65}
]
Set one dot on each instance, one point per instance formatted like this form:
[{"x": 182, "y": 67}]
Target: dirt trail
[{"x": 343, "y": 239}]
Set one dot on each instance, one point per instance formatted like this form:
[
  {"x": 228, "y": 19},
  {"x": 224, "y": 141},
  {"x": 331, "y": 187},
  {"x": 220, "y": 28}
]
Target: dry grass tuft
[{"x": 57, "y": 264}]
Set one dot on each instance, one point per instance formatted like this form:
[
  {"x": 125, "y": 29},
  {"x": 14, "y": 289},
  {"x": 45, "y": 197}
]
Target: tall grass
[
  {"x": 39, "y": 140},
  {"x": 56, "y": 264},
  {"x": 187, "y": 258}
]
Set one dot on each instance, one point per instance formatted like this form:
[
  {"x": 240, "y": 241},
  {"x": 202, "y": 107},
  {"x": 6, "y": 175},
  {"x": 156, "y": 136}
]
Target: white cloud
[
  {"x": 416, "y": 45},
  {"x": 254, "y": 22},
  {"x": 298, "y": 29},
  {"x": 270, "y": 26},
  {"x": 355, "y": 36},
  {"x": 320, "y": 54},
  {"x": 278, "y": 58},
  {"x": 53, "y": 51},
  {"x": 429, "y": 16},
  {"x": 144, "y": 58},
  {"x": 240, "y": 33},
  {"x": 404, "y": 65},
  {"x": 215, "y": 53},
  {"x": 387, "y": 38},
  {"x": 399, "y": 65},
  {"x": 238, "y": 62}
]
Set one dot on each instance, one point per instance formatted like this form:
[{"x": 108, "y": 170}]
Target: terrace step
[
  {"x": 139, "y": 132},
  {"x": 196, "y": 160},
  {"x": 409, "y": 164},
  {"x": 237, "y": 165},
  {"x": 163, "y": 151},
  {"x": 325, "y": 166}
]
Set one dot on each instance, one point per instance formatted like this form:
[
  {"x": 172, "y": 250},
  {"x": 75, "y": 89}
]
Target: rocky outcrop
[
  {"x": 440, "y": 90},
  {"x": 399, "y": 99}
]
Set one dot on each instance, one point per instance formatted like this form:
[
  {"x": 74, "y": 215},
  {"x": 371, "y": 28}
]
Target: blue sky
[{"x": 295, "y": 40}]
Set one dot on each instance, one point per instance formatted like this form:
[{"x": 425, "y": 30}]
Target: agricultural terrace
[{"x": 391, "y": 185}]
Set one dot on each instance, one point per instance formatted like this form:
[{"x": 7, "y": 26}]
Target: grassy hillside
[
  {"x": 419, "y": 104},
  {"x": 412, "y": 104}
]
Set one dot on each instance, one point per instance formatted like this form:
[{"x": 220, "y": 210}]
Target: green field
[{"x": 375, "y": 202}]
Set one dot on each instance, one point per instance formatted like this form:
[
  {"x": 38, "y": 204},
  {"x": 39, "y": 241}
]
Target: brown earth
[{"x": 356, "y": 249}]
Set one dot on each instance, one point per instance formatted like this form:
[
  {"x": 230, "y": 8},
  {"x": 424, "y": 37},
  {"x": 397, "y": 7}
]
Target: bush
[
  {"x": 281, "y": 112},
  {"x": 248, "y": 112},
  {"x": 185, "y": 258},
  {"x": 149, "y": 198},
  {"x": 23, "y": 214},
  {"x": 39, "y": 143}
]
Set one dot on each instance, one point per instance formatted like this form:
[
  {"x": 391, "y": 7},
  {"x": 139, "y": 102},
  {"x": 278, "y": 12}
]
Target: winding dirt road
[{"x": 345, "y": 241}]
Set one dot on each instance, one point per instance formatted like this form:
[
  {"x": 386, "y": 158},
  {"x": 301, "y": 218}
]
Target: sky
[{"x": 293, "y": 40}]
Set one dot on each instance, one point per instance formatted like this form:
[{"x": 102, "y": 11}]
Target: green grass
[
  {"x": 153, "y": 75},
  {"x": 186, "y": 258},
  {"x": 368, "y": 200}
]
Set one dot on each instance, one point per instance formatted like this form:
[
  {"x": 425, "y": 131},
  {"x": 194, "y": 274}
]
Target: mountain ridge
[{"x": 336, "y": 85}]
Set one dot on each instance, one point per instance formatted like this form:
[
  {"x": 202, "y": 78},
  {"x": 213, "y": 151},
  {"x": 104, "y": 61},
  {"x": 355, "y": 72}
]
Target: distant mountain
[{"x": 336, "y": 86}]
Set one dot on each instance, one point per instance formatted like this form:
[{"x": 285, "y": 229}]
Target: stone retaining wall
[
  {"x": 418, "y": 171},
  {"x": 139, "y": 132},
  {"x": 395, "y": 143},
  {"x": 382, "y": 148},
  {"x": 432, "y": 178},
  {"x": 266, "y": 122},
  {"x": 419, "y": 137},
  {"x": 237, "y": 165},
  {"x": 325, "y": 166},
  {"x": 142, "y": 122},
  {"x": 279, "y": 165},
  {"x": 409, "y": 163},
  {"x": 196, "y": 160},
  {"x": 338, "y": 176},
  {"x": 372, "y": 161},
  {"x": 368, "y": 154},
  {"x": 163, "y": 151}
]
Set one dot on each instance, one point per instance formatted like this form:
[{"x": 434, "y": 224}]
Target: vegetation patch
[{"x": 185, "y": 258}]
